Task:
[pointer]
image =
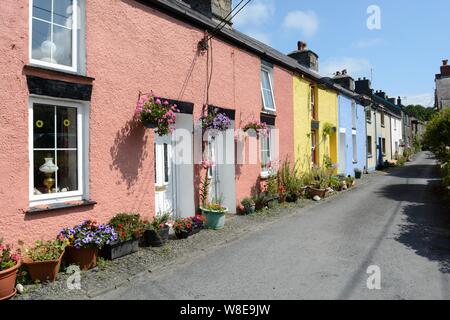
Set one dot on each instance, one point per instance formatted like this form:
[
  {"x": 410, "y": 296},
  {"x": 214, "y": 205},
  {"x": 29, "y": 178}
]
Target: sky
[{"x": 401, "y": 48}]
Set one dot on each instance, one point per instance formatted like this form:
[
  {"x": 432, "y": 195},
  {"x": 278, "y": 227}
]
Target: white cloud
[
  {"x": 304, "y": 21},
  {"x": 355, "y": 66},
  {"x": 255, "y": 14},
  {"x": 424, "y": 99},
  {"x": 367, "y": 43}
]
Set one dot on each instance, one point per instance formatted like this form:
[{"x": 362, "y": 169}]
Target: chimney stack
[
  {"x": 381, "y": 94},
  {"x": 343, "y": 79},
  {"x": 445, "y": 68},
  {"x": 399, "y": 101},
  {"x": 216, "y": 10},
  {"x": 364, "y": 86},
  {"x": 305, "y": 57}
]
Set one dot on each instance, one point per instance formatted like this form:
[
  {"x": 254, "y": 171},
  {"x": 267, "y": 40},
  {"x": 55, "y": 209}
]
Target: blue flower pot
[{"x": 215, "y": 220}]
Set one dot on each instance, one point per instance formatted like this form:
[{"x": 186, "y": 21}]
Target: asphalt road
[{"x": 397, "y": 222}]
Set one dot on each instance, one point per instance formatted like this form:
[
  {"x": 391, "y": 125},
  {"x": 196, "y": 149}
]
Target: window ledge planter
[
  {"x": 182, "y": 234},
  {"x": 118, "y": 249},
  {"x": 155, "y": 238},
  {"x": 43, "y": 270},
  {"x": 195, "y": 230},
  {"x": 85, "y": 258},
  {"x": 8, "y": 282},
  {"x": 215, "y": 219}
]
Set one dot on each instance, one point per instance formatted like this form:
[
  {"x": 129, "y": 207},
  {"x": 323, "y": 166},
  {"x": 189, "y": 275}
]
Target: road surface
[{"x": 397, "y": 224}]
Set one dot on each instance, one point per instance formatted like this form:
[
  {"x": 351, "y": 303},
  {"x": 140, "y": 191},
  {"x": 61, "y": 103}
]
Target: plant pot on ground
[
  {"x": 292, "y": 197},
  {"x": 358, "y": 173},
  {"x": 85, "y": 240},
  {"x": 198, "y": 224},
  {"x": 215, "y": 215},
  {"x": 248, "y": 205},
  {"x": 129, "y": 229},
  {"x": 44, "y": 260},
  {"x": 182, "y": 228},
  {"x": 9, "y": 264},
  {"x": 313, "y": 191},
  {"x": 156, "y": 232}
]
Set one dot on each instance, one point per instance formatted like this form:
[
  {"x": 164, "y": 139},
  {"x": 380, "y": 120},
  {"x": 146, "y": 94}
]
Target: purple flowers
[
  {"x": 88, "y": 235},
  {"x": 216, "y": 121}
]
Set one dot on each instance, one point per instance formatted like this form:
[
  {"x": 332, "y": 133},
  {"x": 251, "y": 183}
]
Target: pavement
[{"x": 397, "y": 227}]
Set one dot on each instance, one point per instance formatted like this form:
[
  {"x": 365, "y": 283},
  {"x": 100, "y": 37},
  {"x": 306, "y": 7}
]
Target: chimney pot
[
  {"x": 344, "y": 72},
  {"x": 302, "y": 46},
  {"x": 445, "y": 62}
]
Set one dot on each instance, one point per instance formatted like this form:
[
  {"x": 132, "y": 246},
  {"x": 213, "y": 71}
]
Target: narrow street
[{"x": 396, "y": 222}]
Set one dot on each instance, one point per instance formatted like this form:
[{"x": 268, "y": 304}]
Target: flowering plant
[
  {"x": 158, "y": 222},
  {"x": 216, "y": 121},
  {"x": 181, "y": 225},
  {"x": 127, "y": 226},
  {"x": 198, "y": 221},
  {"x": 154, "y": 111},
  {"x": 8, "y": 258},
  {"x": 46, "y": 251},
  {"x": 261, "y": 128},
  {"x": 88, "y": 235}
]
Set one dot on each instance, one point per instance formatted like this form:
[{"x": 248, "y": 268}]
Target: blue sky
[{"x": 405, "y": 54}]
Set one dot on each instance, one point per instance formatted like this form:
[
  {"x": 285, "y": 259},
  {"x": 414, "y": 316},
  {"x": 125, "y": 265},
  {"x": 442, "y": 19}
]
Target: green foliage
[
  {"x": 327, "y": 129},
  {"x": 158, "y": 222},
  {"x": 46, "y": 251},
  {"x": 420, "y": 112},
  {"x": 335, "y": 183},
  {"x": 289, "y": 178},
  {"x": 272, "y": 185},
  {"x": 204, "y": 190},
  {"x": 401, "y": 161},
  {"x": 417, "y": 145},
  {"x": 247, "y": 202},
  {"x": 349, "y": 181},
  {"x": 318, "y": 177},
  {"x": 127, "y": 225},
  {"x": 437, "y": 135}
]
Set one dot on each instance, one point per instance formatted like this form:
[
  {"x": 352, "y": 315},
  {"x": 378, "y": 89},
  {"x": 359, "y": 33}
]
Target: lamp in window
[
  {"x": 48, "y": 49},
  {"x": 48, "y": 168}
]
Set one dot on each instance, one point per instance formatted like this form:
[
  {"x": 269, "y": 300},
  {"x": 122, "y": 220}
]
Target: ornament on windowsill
[{"x": 48, "y": 168}]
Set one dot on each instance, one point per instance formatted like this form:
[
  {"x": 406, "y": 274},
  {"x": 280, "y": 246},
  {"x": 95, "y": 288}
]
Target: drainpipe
[{"x": 376, "y": 140}]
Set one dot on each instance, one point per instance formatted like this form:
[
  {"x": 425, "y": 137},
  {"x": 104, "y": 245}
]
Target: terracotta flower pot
[
  {"x": 8, "y": 282},
  {"x": 317, "y": 192},
  {"x": 43, "y": 270},
  {"x": 85, "y": 258}
]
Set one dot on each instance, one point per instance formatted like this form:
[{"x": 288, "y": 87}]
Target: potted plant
[
  {"x": 290, "y": 181},
  {"x": 249, "y": 205},
  {"x": 216, "y": 121},
  {"x": 129, "y": 229},
  {"x": 358, "y": 173},
  {"x": 44, "y": 259},
  {"x": 85, "y": 240},
  {"x": 182, "y": 228},
  {"x": 198, "y": 223},
  {"x": 156, "y": 232},
  {"x": 156, "y": 113},
  {"x": 256, "y": 128},
  {"x": 215, "y": 215},
  {"x": 9, "y": 264},
  {"x": 318, "y": 182}
]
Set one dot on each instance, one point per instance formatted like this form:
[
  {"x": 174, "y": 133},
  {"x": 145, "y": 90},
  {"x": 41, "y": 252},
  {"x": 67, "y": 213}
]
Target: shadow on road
[{"x": 426, "y": 228}]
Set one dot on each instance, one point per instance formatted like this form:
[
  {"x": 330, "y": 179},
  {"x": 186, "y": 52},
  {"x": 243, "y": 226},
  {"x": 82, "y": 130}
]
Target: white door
[
  {"x": 164, "y": 178},
  {"x": 221, "y": 151}
]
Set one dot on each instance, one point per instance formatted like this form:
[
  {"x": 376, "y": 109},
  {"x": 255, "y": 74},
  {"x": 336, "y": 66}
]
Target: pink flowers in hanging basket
[
  {"x": 156, "y": 113},
  {"x": 261, "y": 128}
]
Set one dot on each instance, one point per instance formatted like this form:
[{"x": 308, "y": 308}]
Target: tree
[
  {"x": 437, "y": 135},
  {"x": 420, "y": 112}
]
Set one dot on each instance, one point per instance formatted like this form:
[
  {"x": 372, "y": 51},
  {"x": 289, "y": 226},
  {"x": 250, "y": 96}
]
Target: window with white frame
[
  {"x": 53, "y": 33},
  {"x": 266, "y": 153},
  {"x": 56, "y": 150},
  {"x": 267, "y": 89}
]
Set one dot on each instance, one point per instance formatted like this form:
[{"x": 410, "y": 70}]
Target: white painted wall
[{"x": 396, "y": 135}]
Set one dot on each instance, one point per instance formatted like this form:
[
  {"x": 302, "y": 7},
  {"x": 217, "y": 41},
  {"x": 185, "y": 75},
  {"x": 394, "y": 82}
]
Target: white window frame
[
  {"x": 265, "y": 173},
  {"x": 269, "y": 73},
  {"x": 75, "y": 26},
  {"x": 82, "y": 148}
]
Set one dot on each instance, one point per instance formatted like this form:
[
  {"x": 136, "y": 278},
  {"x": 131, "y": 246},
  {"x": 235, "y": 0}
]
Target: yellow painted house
[{"x": 315, "y": 108}]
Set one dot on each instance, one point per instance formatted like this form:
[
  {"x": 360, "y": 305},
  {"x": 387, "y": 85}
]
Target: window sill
[
  {"x": 61, "y": 206},
  {"x": 264, "y": 175},
  {"x": 36, "y": 70},
  {"x": 269, "y": 112},
  {"x": 355, "y": 162},
  {"x": 369, "y": 156}
]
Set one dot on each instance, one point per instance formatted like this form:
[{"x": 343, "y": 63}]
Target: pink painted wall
[{"x": 130, "y": 48}]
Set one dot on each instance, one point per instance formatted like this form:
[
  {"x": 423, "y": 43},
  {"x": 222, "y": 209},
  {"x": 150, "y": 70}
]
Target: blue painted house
[{"x": 352, "y": 127}]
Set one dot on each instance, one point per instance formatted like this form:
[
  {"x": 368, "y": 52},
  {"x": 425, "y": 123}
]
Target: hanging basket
[{"x": 150, "y": 125}]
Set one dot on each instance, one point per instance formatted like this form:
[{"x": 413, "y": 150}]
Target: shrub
[
  {"x": 158, "y": 222},
  {"x": 437, "y": 135},
  {"x": 289, "y": 178},
  {"x": 181, "y": 225}
]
